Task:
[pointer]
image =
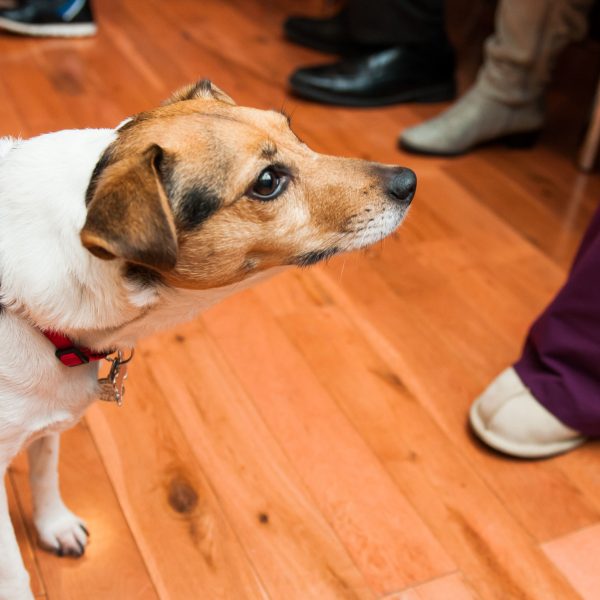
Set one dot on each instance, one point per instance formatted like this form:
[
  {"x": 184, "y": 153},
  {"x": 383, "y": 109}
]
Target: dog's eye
[{"x": 269, "y": 184}]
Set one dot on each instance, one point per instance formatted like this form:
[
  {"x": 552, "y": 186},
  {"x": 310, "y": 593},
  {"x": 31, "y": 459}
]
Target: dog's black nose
[{"x": 402, "y": 185}]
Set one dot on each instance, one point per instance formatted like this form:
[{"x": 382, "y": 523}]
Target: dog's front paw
[{"x": 62, "y": 532}]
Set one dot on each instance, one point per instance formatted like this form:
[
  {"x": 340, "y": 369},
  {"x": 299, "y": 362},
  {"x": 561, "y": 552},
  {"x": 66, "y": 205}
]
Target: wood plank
[
  {"x": 576, "y": 555},
  {"x": 169, "y": 504},
  {"x": 77, "y": 76},
  {"x": 111, "y": 550},
  {"x": 40, "y": 108},
  {"x": 11, "y": 123},
  {"x": 581, "y": 468},
  {"x": 382, "y": 532},
  {"x": 187, "y": 37},
  {"x": 452, "y": 586},
  {"x": 565, "y": 210},
  {"x": 291, "y": 546},
  {"x": 251, "y": 49}
]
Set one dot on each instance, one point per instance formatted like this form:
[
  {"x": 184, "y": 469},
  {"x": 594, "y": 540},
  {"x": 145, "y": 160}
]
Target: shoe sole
[
  {"x": 49, "y": 30},
  {"x": 518, "y": 141},
  {"x": 433, "y": 93},
  {"x": 518, "y": 450}
]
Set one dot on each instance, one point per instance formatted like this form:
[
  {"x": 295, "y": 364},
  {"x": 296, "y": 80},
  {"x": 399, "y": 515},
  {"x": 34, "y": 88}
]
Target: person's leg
[
  {"x": 361, "y": 27},
  {"x": 395, "y": 22},
  {"x": 326, "y": 34},
  {"x": 561, "y": 360},
  {"x": 549, "y": 401},
  {"x": 507, "y": 99},
  {"x": 409, "y": 60}
]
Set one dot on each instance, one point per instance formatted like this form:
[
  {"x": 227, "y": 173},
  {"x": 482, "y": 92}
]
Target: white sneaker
[{"x": 508, "y": 418}]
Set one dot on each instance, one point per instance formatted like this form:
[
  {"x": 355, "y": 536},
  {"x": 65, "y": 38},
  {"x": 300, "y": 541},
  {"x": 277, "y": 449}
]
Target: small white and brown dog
[{"x": 107, "y": 235}]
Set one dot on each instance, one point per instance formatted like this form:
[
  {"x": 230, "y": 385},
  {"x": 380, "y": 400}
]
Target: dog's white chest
[
  {"x": 53, "y": 422},
  {"x": 38, "y": 394},
  {"x": 26, "y": 417}
]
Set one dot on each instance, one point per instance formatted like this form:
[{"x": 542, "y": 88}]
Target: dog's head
[{"x": 207, "y": 193}]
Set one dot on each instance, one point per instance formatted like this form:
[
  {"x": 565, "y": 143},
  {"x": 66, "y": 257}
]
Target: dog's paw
[{"x": 62, "y": 532}]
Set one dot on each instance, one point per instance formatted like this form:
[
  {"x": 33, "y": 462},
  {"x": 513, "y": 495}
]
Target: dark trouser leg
[
  {"x": 396, "y": 22},
  {"x": 561, "y": 359}
]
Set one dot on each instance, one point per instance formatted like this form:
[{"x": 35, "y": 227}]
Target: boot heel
[{"x": 525, "y": 139}]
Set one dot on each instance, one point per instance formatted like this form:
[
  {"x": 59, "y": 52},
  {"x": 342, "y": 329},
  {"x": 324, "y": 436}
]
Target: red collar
[{"x": 69, "y": 354}]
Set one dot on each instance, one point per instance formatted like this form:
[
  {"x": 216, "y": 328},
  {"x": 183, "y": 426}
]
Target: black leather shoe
[
  {"x": 326, "y": 35},
  {"x": 423, "y": 73},
  {"x": 54, "y": 18}
]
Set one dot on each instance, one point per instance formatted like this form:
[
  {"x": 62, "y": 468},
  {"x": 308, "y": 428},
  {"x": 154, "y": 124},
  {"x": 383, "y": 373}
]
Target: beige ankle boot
[{"x": 507, "y": 98}]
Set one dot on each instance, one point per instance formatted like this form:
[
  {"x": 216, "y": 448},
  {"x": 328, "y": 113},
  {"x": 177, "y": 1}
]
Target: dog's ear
[
  {"x": 201, "y": 89},
  {"x": 129, "y": 215}
]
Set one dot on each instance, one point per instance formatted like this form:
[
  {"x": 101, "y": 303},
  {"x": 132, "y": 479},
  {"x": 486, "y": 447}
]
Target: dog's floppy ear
[
  {"x": 201, "y": 89},
  {"x": 129, "y": 215}
]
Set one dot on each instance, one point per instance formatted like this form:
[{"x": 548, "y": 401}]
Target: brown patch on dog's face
[{"x": 245, "y": 194}]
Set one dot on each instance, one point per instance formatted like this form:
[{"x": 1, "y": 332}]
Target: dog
[{"x": 107, "y": 235}]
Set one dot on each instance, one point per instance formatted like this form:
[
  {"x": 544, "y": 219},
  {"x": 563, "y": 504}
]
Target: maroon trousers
[{"x": 561, "y": 358}]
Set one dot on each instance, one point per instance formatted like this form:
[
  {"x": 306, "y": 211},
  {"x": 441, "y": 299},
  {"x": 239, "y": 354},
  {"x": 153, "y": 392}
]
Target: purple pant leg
[{"x": 561, "y": 358}]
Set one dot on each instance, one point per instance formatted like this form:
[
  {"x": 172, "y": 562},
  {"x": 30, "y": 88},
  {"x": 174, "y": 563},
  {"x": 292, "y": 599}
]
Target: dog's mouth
[
  {"x": 371, "y": 230},
  {"x": 311, "y": 258},
  {"x": 367, "y": 229},
  {"x": 360, "y": 232}
]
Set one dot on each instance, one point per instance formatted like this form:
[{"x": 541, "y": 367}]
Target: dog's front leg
[
  {"x": 14, "y": 579},
  {"x": 58, "y": 528}
]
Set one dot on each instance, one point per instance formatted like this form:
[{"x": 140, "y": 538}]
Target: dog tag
[{"x": 112, "y": 387}]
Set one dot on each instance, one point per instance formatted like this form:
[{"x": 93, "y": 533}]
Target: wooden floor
[{"x": 307, "y": 439}]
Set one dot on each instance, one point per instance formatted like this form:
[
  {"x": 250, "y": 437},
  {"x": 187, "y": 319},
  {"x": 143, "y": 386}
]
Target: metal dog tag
[{"x": 112, "y": 387}]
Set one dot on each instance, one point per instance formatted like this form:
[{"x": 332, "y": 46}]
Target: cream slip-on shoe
[{"x": 508, "y": 418}]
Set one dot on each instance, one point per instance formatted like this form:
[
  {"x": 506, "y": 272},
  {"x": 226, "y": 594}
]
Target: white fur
[{"x": 48, "y": 280}]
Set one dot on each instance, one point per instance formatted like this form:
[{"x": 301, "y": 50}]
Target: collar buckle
[{"x": 71, "y": 356}]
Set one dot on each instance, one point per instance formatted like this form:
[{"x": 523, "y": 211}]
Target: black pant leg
[{"x": 395, "y": 22}]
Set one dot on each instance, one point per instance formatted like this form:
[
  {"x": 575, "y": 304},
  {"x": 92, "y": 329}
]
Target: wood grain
[
  {"x": 169, "y": 504},
  {"x": 451, "y": 586},
  {"x": 385, "y": 537},
  {"x": 576, "y": 555}
]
